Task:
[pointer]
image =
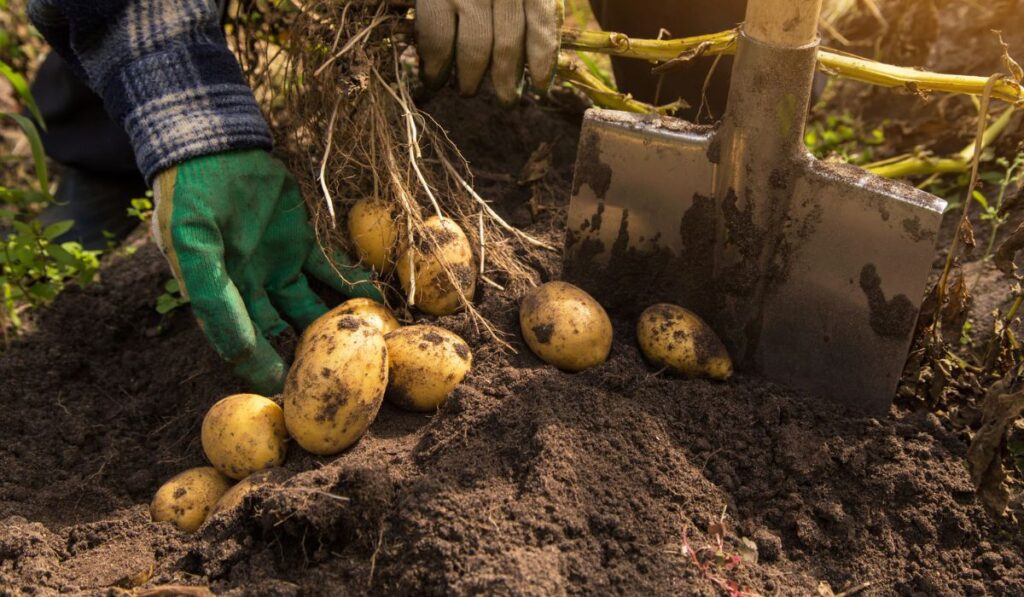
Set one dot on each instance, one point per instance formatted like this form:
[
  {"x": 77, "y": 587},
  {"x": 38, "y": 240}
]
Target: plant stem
[
  {"x": 654, "y": 50},
  {"x": 965, "y": 214},
  {"x": 918, "y": 165},
  {"x": 604, "y": 96},
  {"x": 830, "y": 61}
]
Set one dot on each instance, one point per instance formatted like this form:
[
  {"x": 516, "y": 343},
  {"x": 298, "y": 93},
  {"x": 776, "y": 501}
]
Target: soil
[{"x": 617, "y": 480}]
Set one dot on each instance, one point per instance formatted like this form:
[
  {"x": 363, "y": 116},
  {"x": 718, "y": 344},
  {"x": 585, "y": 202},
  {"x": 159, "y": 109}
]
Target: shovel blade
[
  {"x": 644, "y": 226},
  {"x": 633, "y": 236},
  {"x": 859, "y": 251}
]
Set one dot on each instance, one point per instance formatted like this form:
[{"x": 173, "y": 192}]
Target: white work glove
[{"x": 504, "y": 34}]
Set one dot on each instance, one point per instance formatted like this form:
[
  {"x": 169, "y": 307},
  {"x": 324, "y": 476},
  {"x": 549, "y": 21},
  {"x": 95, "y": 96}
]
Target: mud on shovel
[{"x": 812, "y": 273}]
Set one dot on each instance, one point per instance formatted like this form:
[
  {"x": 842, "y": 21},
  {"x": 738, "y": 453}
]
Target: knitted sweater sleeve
[{"x": 164, "y": 72}]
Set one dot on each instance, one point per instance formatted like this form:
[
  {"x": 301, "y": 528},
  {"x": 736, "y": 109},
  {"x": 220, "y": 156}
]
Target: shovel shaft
[{"x": 783, "y": 23}]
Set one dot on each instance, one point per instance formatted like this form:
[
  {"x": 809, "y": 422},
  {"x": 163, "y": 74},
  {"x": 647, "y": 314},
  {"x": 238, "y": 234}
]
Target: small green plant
[
  {"x": 171, "y": 299},
  {"x": 34, "y": 268},
  {"x": 142, "y": 207},
  {"x": 965, "y": 334},
  {"x": 845, "y": 137},
  {"x": 995, "y": 215}
]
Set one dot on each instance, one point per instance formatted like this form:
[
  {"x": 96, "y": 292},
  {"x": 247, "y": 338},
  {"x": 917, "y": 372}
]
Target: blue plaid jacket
[{"x": 164, "y": 72}]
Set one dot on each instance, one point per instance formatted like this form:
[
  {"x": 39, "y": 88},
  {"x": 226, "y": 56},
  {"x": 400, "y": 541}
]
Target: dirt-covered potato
[
  {"x": 425, "y": 363},
  {"x": 450, "y": 249},
  {"x": 234, "y": 496},
  {"x": 188, "y": 498},
  {"x": 336, "y": 385},
  {"x": 371, "y": 226},
  {"x": 243, "y": 434},
  {"x": 373, "y": 312},
  {"x": 677, "y": 339},
  {"x": 565, "y": 326}
]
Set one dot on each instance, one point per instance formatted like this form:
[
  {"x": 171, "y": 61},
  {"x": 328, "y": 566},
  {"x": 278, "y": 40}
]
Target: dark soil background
[{"x": 528, "y": 481}]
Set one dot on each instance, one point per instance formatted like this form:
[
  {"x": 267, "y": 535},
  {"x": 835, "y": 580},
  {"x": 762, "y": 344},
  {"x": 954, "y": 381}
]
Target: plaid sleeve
[{"x": 164, "y": 72}]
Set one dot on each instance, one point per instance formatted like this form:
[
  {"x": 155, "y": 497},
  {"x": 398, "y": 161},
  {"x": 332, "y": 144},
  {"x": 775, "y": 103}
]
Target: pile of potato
[
  {"x": 345, "y": 365},
  {"x": 353, "y": 357},
  {"x": 565, "y": 327}
]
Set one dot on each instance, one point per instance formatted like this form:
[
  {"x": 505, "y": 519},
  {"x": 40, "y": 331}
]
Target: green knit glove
[{"x": 237, "y": 235}]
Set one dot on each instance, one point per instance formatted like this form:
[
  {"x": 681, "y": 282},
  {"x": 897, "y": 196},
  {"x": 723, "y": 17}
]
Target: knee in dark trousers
[{"x": 100, "y": 176}]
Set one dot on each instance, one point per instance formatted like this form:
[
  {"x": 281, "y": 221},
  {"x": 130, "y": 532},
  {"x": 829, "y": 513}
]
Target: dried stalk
[
  {"x": 831, "y": 61},
  {"x": 914, "y": 165}
]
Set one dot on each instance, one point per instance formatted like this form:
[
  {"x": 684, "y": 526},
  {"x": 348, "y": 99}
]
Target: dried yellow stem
[
  {"x": 830, "y": 61},
  {"x": 920, "y": 165}
]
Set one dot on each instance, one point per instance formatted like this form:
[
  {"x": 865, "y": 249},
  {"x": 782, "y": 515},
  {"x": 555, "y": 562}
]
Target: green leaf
[
  {"x": 171, "y": 286},
  {"x": 57, "y": 228},
  {"x": 26, "y": 232},
  {"x": 25, "y": 255},
  {"x": 44, "y": 290},
  {"x": 62, "y": 256},
  {"x": 166, "y": 303},
  {"x": 980, "y": 199},
  {"x": 21, "y": 86},
  {"x": 86, "y": 276},
  {"x": 38, "y": 154}
]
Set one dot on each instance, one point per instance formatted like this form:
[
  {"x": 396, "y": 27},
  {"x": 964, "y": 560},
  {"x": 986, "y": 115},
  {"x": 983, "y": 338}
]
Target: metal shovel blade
[{"x": 812, "y": 273}]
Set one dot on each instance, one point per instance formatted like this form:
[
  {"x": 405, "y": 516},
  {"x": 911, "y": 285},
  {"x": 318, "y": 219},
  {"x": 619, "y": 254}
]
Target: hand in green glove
[
  {"x": 502, "y": 34},
  {"x": 237, "y": 235}
]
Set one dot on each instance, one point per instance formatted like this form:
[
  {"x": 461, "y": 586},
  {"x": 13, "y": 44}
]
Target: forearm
[{"x": 164, "y": 72}]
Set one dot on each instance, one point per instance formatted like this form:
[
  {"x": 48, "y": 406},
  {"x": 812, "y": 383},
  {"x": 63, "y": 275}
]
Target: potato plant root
[{"x": 527, "y": 481}]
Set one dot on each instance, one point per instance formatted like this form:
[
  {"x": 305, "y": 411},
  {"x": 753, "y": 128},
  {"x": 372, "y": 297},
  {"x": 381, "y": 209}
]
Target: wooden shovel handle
[{"x": 783, "y": 23}]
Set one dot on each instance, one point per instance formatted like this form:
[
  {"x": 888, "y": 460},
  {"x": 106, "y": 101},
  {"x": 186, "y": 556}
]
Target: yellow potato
[
  {"x": 371, "y": 226},
  {"x": 425, "y": 363},
  {"x": 243, "y": 434},
  {"x": 373, "y": 312},
  {"x": 435, "y": 292},
  {"x": 234, "y": 496},
  {"x": 336, "y": 386},
  {"x": 188, "y": 498},
  {"x": 675, "y": 338},
  {"x": 565, "y": 326}
]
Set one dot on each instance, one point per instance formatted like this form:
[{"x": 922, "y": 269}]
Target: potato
[
  {"x": 234, "y": 496},
  {"x": 373, "y": 312},
  {"x": 678, "y": 340},
  {"x": 371, "y": 226},
  {"x": 188, "y": 498},
  {"x": 243, "y": 434},
  {"x": 565, "y": 326},
  {"x": 336, "y": 386},
  {"x": 435, "y": 293},
  {"x": 425, "y": 363}
]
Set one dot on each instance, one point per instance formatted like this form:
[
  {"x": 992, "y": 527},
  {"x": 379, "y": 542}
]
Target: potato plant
[{"x": 34, "y": 268}]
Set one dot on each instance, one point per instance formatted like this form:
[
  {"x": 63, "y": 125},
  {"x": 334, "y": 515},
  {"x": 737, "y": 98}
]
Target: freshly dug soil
[{"x": 528, "y": 481}]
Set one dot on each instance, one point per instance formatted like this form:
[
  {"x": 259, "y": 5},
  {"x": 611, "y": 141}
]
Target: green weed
[
  {"x": 34, "y": 268},
  {"x": 844, "y": 137}
]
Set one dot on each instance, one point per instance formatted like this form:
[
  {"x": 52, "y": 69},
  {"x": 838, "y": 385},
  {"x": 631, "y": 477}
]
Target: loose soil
[{"x": 528, "y": 481}]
